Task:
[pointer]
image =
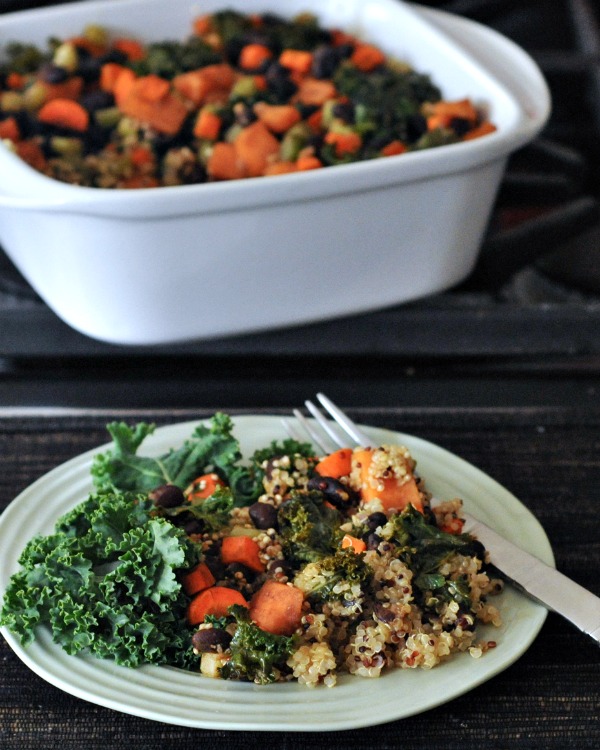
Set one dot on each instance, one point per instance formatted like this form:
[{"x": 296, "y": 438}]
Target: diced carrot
[
  {"x": 198, "y": 85},
  {"x": 109, "y": 72},
  {"x": 252, "y": 56},
  {"x": 32, "y": 154},
  {"x": 69, "y": 89},
  {"x": 131, "y": 47},
  {"x": 141, "y": 155},
  {"x": 300, "y": 61},
  {"x": 315, "y": 91},
  {"x": 223, "y": 162},
  {"x": 438, "y": 121},
  {"x": 367, "y": 57},
  {"x": 304, "y": 163},
  {"x": 15, "y": 80},
  {"x": 122, "y": 85},
  {"x": 9, "y": 129},
  {"x": 339, "y": 37},
  {"x": 139, "y": 181},
  {"x": 207, "y": 125},
  {"x": 315, "y": 120},
  {"x": 242, "y": 549},
  {"x": 277, "y": 117},
  {"x": 461, "y": 108},
  {"x": 358, "y": 545},
  {"x": 344, "y": 143},
  {"x": 453, "y": 526},
  {"x": 393, "y": 148},
  {"x": 202, "y": 25},
  {"x": 152, "y": 88},
  {"x": 277, "y": 608},
  {"x": 280, "y": 167},
  {"x": 255, "y": 146},
  {"x": 484, "y": 129},
  {"x": 198, "y": 579},
  {"x": 260, "y": 82},
  {"x": 64, "y": 113},
  {"x": 165, "y": 114},
  {"x": 213, "y": 601},
  {"x": 337, "y": 464},
  {"x": 393, "y": 493},
  {"x": 203, "y": 487}
]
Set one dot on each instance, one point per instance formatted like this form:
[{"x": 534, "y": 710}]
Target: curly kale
[
  {"x": 256, "y": 655},
  {"x": 309, "y": 529},
  {"x": 210, "y": 448},
  {"x": 105, "y": 582},
  {"x": 343, "y": 566}
]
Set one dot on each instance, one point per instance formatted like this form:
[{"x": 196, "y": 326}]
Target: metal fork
[{"x": 539, "y": 581}]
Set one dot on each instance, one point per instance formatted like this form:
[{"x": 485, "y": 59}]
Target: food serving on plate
[
  {"x": 287, "y": 567},
  {"x": 244, "y": 96}
]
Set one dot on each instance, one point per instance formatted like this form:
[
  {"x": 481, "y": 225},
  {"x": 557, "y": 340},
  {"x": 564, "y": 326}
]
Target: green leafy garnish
[
  {"x": 308, "y": 527},
  {"x": 105, "y": 583},
  {"x": 210, "y": 448},
  {"x": 256, "y": 655}
]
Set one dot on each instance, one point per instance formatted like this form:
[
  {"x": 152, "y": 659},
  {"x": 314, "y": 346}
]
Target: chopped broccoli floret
[
  {"x": 309, "y": 528},
  {"x": 256, "y": 655}
]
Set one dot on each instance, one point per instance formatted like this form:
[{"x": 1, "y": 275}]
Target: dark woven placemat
[{"x": 550, "y": 698}]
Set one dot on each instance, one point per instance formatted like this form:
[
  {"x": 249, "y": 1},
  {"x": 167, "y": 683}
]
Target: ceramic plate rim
[{"x": 232, "y": 706}]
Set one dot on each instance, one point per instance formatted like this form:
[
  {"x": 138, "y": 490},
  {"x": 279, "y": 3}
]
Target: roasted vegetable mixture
[
  {"x": 243, "y": 96},
  {"x": 287, "y": 567}
]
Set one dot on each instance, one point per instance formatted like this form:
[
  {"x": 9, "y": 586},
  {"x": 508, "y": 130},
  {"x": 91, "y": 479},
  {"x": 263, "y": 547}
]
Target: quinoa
[{"x": 384, "y": 603}]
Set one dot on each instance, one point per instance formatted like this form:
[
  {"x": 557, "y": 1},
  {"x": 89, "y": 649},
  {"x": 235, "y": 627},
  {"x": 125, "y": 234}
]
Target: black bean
[
  {"x": 93, "y": 100},
  {"x": 51, "y": 73},
  {"x": 209, "y": 639},
  {"x": 344, "y": 50},
  {"x": 460, "y": 125},
  {"x": 286, "y": 567},
  {"x": 89, "y": 68},
  {"x": 344, "y": 111},
  {"x": 167, "y": 496},
  {"x": 325, "y": 61},
  {"x": 416, "y": 126},
  {"x": 279, "y": 82},
  {"x": 263, "y": 515},
  {"x": 375, "y": 520},
  {"x": 373, "y": 541},
  {"x": 113, "y": 55},
  {"x": 338, "y": 494},
  {"x": 244, "y": 114}
]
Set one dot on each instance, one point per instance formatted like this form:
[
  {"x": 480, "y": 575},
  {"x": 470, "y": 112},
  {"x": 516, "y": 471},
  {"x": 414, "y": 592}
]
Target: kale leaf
[
  {"x": 425, "y": 548},
  {"x": 210, "y": 448},
  {"x": 344, "y": 565},
  {"x": 212, "y": 513},
  {"x": 256, "y": 655},
  {"x": 309, "y": 529},
  {"x": 105, "y": 583}
]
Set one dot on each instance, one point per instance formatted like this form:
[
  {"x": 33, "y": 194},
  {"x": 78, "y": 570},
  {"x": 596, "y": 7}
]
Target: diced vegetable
[
  {"x": 64, "y": 113},
  {"x": 198, "y": 579},
  {"x": 243, "y": 550},
  {"x": 277, "y": 608},
  {"x": 337, "y": 464},
  {"x": 351, "y": 542},
  {"x": 215, "y": 601},
  {"x": 393, "y": 492}
]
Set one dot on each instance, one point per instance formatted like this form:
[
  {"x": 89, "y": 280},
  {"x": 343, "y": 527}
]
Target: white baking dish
[{"x": 197, "y": 261}]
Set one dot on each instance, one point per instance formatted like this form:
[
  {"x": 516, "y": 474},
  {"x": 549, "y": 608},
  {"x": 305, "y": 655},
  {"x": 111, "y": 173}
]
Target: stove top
[{"x": 536, "y": 288}]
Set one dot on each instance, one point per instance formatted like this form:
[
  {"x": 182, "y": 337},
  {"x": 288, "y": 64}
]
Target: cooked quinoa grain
[{"x": 388, "y": 599}]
